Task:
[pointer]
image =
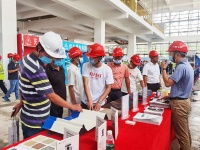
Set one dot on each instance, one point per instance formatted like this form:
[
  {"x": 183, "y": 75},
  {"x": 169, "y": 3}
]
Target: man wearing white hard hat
[{"x": 35, "y": 89}]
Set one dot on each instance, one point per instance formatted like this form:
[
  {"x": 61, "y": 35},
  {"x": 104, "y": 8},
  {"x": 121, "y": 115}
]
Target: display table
[{"x": 141, "y": 136}]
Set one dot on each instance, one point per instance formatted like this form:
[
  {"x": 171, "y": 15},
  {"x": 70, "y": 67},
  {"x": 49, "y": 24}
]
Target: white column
[
  {"x": 99, "y": 31},
  {"x": 149, "y": 46},
  {"x": 132, "y": 49},
  {"x": 8, "y": 31}
]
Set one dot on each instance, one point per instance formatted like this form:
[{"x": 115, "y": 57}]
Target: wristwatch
[
  {"x": 163, "y": 68},
  {"x": 100, "y": 101}
]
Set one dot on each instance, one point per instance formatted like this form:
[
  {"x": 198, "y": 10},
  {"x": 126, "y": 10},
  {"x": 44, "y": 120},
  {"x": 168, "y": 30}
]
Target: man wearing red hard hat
[
  {"x": 181, "y": 82},
  {"x": 75, "y": 81},
  {"x": 97, "y": 78},
  {"x": 13, "y": 68},
  {"x": 120, "y": 73},
  {"x": 151, "y": 72},
  {"x": 135, "y": 75}
]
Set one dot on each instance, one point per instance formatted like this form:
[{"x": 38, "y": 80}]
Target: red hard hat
[
  {"x": 0, "y": 57},
  {"x": 178, "y": 46},
  {"x": 136, "y": 59},
  {"x": 153, "y": 53},
  {"x": 96, "y": 50},
  {"x": 10, "y": 55},
  {"x": 117, "y": 52},
  {"x": 16, "y": 57},
  {"x": 74, "y": 52}
]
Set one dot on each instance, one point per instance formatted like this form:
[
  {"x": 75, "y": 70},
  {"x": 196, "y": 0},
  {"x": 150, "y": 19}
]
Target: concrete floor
[{"x": 6, "y": 109}]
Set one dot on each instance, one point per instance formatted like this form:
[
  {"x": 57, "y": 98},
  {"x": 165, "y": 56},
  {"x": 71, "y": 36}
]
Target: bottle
[{"x": 109, "y": 141}]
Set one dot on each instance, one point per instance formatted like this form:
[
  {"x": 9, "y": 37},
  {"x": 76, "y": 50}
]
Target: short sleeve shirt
[
  {"x": 75, "y": 79},
  {"x": 33, "y": 86},
  {"x": 183, "y": 77},
  {"x": 119, "y": 73},
  {"x": 14, "y": 75},
  {"x": 152, "y": 71},
  {"x": 135, "y": 75},
  {"x": 98, "y": 79}
]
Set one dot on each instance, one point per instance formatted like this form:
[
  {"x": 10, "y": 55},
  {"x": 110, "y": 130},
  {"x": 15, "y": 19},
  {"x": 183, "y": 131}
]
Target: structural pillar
[
  {"x": 99, "y": 32},
  {"x": 149, "y": 46},
  {"x": 8, "y": 32},
  {"x": 132, "y": 48}
]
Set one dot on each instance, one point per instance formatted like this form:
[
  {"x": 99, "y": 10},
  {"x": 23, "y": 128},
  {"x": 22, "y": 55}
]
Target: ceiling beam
[
  {"x": 56, "y": 11},
  {"x": 31, "y": 14}
]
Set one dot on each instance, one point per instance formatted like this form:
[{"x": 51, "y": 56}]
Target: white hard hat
[{"x": 52, "y": 44}]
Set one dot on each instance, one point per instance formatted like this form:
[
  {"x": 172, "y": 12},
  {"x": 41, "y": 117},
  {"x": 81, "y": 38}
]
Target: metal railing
[{"x": 139, "y": 8}]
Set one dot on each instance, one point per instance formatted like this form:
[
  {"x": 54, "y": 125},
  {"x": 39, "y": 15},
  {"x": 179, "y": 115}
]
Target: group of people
[{"x": 43, "y": 93}]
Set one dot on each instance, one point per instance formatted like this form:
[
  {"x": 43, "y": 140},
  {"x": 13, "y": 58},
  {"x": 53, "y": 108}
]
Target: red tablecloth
[{"x": 141, "y": 136}]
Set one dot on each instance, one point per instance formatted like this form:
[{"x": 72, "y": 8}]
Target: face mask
[
  {"x": 81, "y": 60},
  {"x": 117, "y": 61},
  {"x": 58, "y": 62},
  {"x": 170, "y": 58},
  {"x": 92, "y": 61},
  {"x": 45, "y": 60}
]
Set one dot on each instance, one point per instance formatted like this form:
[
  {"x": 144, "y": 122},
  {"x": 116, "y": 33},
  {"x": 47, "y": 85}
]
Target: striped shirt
[{"x": 33, "y": 87}]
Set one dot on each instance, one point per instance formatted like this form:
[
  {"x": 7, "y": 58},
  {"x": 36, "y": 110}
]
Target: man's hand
[
  {"x": 97, "y": 107},
  {"x": 90, "y": 105},
  {"x": 77, "y": 107},
  {"x": 16, "y": 109},
  {"x": 129, "y": 92},
  {"x": 164, "y": 64}
]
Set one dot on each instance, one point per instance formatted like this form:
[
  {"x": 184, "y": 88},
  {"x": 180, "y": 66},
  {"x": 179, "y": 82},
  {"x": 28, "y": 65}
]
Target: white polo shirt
[
  {"x": 75, "y": 79},
  {"x": 98, "y": 79},
  {"x": 135, "y": 75},
  {"x": 152, "y": 72}
]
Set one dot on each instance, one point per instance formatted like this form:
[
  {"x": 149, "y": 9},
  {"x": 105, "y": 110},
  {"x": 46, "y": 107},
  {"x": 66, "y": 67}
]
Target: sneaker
[{"x": 7, "y": 100}]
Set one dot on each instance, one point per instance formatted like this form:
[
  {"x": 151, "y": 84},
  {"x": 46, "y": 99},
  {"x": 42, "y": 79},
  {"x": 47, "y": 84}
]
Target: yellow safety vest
[{"x": 1, "y": 72}]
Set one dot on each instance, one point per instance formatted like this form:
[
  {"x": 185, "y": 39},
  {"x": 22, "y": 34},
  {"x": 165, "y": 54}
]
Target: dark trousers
[
  {"x": 56, "y": 112},
  {"x": 123, "y": 93},
  {"x": 27, "y": 132},
  {"x": 114, "y": 95},
  {"x": 2, "y": 86},
  {"x": 153, "y": 87}
]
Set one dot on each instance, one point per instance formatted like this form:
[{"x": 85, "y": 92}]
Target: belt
[
  {"x": 178, "y": 98},
  {"x": 116, "y": 89}
]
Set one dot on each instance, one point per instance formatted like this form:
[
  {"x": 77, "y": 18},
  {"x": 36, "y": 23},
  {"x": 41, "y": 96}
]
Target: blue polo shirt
[{"x": 183, "y": 77}]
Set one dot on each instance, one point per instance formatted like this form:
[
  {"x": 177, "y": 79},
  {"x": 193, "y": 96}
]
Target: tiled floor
[{"x": 6, "y": 109}]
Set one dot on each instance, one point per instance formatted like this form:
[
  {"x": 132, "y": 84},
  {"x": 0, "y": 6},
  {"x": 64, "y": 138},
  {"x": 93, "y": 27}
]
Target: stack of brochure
[
  {"x": 148, "y": 118},
  {"x": 162, "y": 103},
  {"x": 154, "y": 110}
]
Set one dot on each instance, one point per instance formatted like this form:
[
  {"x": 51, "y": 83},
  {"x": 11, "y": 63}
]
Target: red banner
[{"x": 31, "y": 41}]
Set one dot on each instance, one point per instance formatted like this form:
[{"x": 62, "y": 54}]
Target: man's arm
[
  {"x": 127, "y": 80},
  {"x": 168, "y": 81},
  {"x": 87, "y": 92},
  {"x": 142, "y": 83},
  {"x": 61, "y": 102},
  {"x": 12, "y": 71},
  {"x": 145, "y": 80},
  {"x": 106, "y": 92},
  {"x": 71, "y": 93},
  {"x": 103, "y": 97}
]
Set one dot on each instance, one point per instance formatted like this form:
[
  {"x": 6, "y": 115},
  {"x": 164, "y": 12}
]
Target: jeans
[
  {"x": 27, "y": 132},
  {"x": 180, "y": 110},
  {"x": 14, "y": 87}
]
